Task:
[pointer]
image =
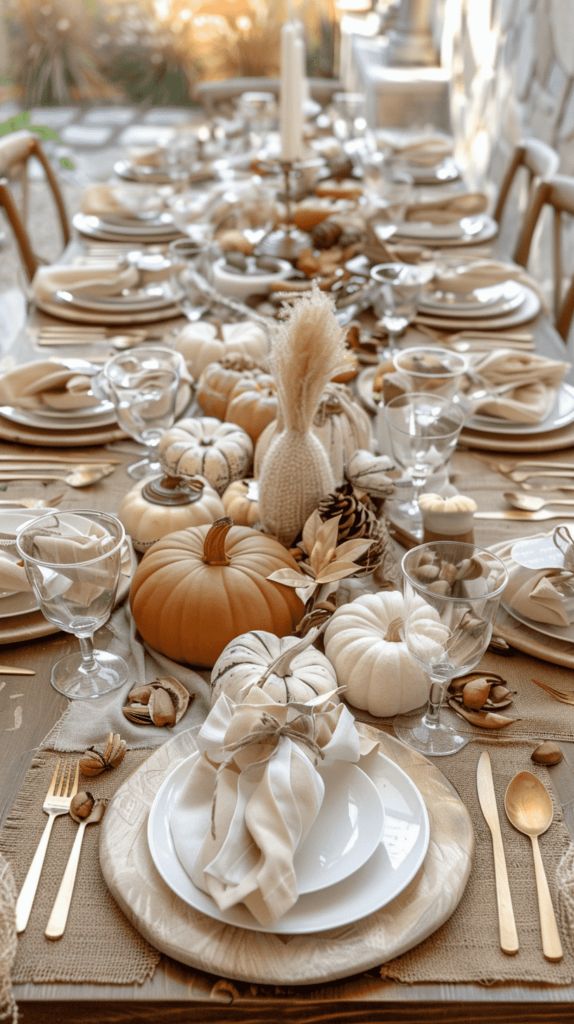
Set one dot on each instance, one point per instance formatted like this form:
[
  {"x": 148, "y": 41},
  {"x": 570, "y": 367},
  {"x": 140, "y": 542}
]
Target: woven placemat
[{"x": 99, "y": 944}]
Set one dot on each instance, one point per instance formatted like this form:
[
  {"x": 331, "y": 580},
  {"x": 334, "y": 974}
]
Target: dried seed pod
[
  {"x": 161, "y": 707},
  {"x": 140, "y": 695},
  {"x": 547, "y": 753},
  {"x": 471, "y": 569},
  {"x": 180, "y": 696},
  {"x": 475, "y": 694},
  {"x": 449, "y": 573},
  {"x": 427, "y": 573},
  {"x": 500, "y": 695},
  {"x": 483, "y": 719},
  {"x": 82, "y": 805},
  {"x": 439, "y": 587},
  {"x": 139, "y": 714},
  {"x": 95, "y": 761}
]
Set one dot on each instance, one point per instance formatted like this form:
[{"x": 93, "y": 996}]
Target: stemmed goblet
[
  {"x": 396, "y": 291},
  {"x": 423, "y": 429},
  {"x": 461, "y": 585},
  {"x": 73, "y": 562},
  {"x": 143, "y": 384}
]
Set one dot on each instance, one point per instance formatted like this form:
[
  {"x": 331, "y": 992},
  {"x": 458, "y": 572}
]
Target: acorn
[{"x": 547, "y": 753}]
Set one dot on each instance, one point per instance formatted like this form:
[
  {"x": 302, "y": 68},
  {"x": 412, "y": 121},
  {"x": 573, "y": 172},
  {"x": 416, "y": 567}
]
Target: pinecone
[{"x": 358, "y": 520}]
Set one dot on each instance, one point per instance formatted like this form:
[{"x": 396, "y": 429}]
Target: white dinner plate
[
  {"x": 145, "y": 173},
  {"x": 120, "y": 318},
  {"x": 482, "y": 302},
  {"x": 561, "y": 415},
  {"x": 393, "y": 865},
  {"x": 467, "y": 230},
  {"x": 153, "y": 297},
  {"x": 547, "y": 629},
  {"x": 96, "y": 227},
  {"x": 446, "y": 170},
  {"x": 525, "y": 311},
  {"x": 11, "y": 520},
  {"x": 59, "y": 420},
  {"x": 17, "y": 604},
  {"x": 345, "y": 834}
]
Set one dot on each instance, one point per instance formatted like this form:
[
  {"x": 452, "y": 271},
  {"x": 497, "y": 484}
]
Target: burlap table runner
[{"x": 101, "y": 946}]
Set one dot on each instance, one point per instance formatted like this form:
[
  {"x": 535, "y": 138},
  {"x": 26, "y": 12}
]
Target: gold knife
[
  {"x": 489, "y": 808},
  {"x": 525, "y": 517},
  {"x": 9, "y": 670}
]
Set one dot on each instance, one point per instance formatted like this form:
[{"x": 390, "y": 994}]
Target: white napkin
[
  {"x": 425, "y": 149},
  {"x": 533, "y": 380},
  {"x": 260, "y": 798},
  {"x": 46, "y": 384},
  {"x": 545, "y": 595},
  {"x": 448, "y": 210},
  {"x": 125, "y": 201},
  {"x": 79, "y": 578},
  {"x": 97, "y": 279},
  {"x": 468, "y": 275},
  {"x": 13, "y": 578}
]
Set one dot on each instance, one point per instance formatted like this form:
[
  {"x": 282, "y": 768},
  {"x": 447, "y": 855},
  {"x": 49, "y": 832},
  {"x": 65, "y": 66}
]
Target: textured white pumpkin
[
  {"x": 221, "y": 452},
  {"x": 287, "y": 668},
  {"x": 147, "y": 520},
  {"x": 362, "y": 642},
  {"x": 200, "y": 345}
]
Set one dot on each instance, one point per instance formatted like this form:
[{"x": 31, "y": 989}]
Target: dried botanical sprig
[{"x": 327, "y": 562}]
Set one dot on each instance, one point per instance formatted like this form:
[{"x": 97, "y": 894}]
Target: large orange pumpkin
[{"x": 197, "y": 589}]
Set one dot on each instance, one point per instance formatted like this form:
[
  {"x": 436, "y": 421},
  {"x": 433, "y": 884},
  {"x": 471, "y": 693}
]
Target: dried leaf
[
  {"x": 310, "y": 530},
  {"x": 353, "y": 549},
  {"x": 483, "y": 719},
  {"x": 337, "y": 570},
  {"x": 287, "y": 577},
  {"x": 325, "y": 545}
]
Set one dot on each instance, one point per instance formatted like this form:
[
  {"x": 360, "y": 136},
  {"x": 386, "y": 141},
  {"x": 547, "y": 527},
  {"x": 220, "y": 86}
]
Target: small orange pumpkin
[
  {"x": 218, "y": 380},
  {"x": 197, "y": 589},
  {"x": 253, "y": 404},
  {"x": 241, "y": 502}
]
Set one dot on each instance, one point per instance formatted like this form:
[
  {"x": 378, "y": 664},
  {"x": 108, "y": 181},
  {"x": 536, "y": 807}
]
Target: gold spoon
[
  {"x": 59, "y": 916},
  {"x": 529, "y": 808},
  {"x": 81, "y": 476},
  {"x": 532, "y": 503}
]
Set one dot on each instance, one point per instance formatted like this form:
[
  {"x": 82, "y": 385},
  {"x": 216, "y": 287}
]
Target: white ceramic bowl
[{"x": 240, "y": 284}]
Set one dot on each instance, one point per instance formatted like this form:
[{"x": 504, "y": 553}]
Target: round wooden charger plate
[
  {"x": 183, "y": 933},
  {"x": 20, "y": 628},
  {"x": 557, "y": 652}
]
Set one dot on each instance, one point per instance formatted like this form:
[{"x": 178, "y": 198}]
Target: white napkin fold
[
  {"x": 468, "y": 275},
  {"x": 98, "y": 280},
  {"x": 85, "y": 563},
  {"x": 448, "y": 210},
  {"x": 425, "y": 149},
  {"x": 46, "y": 384},
  {"x": 533, "y": 382},
  {"x": 545, "y": 595},
  {"x": 13, "y": 578},
  {"x": 256, "y": 800},
  {"x": 126, "y": 201}
]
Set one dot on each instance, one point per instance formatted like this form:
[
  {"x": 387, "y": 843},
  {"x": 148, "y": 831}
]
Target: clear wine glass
[
  {"x": 461, "y": 586},
  {"x": 423, "y": 430},
  {"x": 191, "y": 264},
  {"x": 73, "y": 561},
  {"x": 250, "y": 209},
  {"x": 395, "y": 295},
  {"x": 143, "y": 384},
  {"x": 439, "y": 371}
]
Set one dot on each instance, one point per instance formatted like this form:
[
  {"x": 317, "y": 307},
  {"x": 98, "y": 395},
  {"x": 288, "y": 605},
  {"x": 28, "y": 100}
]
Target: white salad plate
[
  {"x": 97, "y": 227},
  {"x": 446, "y": 170},
  {"x": 481, "y": 302},
  {"x": 546, "y": 628},
  {"x": 344, "y": 835},
  {"x": 59, "y": 420},
  {"x": 467, "y": 230},
  {"x": 561, "y": 415},
  {"x": 526, "y": 310},
  {"x": 138, "y": 300},
  {"x": 386, "y": 873}
]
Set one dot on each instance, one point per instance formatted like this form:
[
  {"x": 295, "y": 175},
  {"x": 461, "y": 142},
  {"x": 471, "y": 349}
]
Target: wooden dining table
[{"x": 176, "y": 992}]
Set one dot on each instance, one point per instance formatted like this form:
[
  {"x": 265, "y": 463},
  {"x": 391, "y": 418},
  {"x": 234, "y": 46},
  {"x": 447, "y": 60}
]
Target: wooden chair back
[
  {"x": 558, "y": 195},
  {"x": 16, "y": 151},
  {"x": 537, "y": 160}
]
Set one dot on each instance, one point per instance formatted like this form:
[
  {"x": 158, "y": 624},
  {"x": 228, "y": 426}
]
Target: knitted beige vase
[{"x": 306, "y": 352}]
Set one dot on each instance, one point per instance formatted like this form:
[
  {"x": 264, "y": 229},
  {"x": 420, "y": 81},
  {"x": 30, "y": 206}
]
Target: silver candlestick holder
[{"x": 287, "y": 241}]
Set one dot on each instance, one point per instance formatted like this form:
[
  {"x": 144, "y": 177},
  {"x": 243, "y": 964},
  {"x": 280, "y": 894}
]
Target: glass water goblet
[
  {"x": 395, "y": 294},
  {"x": 449, "y": 636},
  {"x": 423, "y": 431},
  {"x": 190, "y": 267},
  {"x": 432, "y": 370},
  {"x": 143, "y": 384},
  {"x": 73, "y": 562}
]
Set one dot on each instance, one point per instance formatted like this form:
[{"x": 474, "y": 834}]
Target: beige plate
[
  {"x": 20, "y": 628},
  {"x": 120, "y": 318},
  {"x": 190, "y": 937},
  {"x": 552, "y": 441}
]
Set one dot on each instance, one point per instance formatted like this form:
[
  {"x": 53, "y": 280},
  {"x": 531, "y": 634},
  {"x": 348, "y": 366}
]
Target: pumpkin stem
[
  {"x": 214, "y": 544},
  {"x": 282, "y": 664},
  {"x": 393, "y": 634}
]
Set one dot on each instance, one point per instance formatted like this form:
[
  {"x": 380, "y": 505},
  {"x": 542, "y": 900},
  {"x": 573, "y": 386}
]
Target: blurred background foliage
[{"x": 85, "y": 51}]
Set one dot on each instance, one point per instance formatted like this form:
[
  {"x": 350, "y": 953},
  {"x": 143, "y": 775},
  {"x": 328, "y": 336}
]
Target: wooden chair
[
  {"x": 16, "y": 151},
  {"x": 557, "y": 194},
  {"x": 534, "y": 157}
]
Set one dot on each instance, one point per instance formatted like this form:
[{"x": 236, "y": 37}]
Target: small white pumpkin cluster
[{"x": 365, "y": 655}]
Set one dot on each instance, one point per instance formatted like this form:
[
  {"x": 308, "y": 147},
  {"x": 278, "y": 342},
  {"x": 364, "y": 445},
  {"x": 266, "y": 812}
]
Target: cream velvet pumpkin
[
  {"x": 200, "y": 345},
  {"x": 221, "y": 452},
  {"x": 287, "y": 668},
  {"x": 165, "y": 504},
  {"x": 241, "y": 502},
  {"x": 218, "y": 380},
  {"x": 363, "y": 642}
]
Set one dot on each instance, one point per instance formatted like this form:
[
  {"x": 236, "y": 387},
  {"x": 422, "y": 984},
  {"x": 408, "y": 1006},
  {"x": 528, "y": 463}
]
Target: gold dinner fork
[
  {"x": 564, "y": 696},
  {"x": 63, "y": 786}
]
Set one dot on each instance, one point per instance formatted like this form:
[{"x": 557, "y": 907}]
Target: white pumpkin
[
  {"x": 287, "y": 668},
  {"x": 200, "y": 344},
  {"x": 221, "y": 452},
  {"x": 363, "y": 641},
  {"x": 162, "y": 505}
]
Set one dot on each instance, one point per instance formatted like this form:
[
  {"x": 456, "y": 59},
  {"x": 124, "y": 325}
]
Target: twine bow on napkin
[{"x": 256, "y": 791}]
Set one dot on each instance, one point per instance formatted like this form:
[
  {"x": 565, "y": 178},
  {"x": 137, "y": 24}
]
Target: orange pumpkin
[
  {"x": 218, "y": 380},
  {"x": 241, "y": 502},
  {"x": 197, "y": 589},
  {"x": 253, "y": 404}
]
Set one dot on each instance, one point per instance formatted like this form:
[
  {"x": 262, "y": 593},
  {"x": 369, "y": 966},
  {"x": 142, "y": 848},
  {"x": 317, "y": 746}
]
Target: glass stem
[
  {"x": 432, "y": 713},
  {"x": 89, "y": 663}
]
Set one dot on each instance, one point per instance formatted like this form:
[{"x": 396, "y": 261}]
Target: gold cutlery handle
[
  {"x": 59, "y": 916},
  {"x": 28, "y": 891},
  {"x": 551, "y": 945},
  {"x": 506, "y": 922}
]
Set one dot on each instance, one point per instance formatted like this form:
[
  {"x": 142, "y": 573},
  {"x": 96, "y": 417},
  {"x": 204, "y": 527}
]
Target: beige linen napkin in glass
[
  {"x": 448, "y": 210},
  {"x": 97, "y": 280},
  {"x": 526, "y": 384},
  {"x": 255, "y": 792},
  {"x": 46, "y": 385},
  {"x": 125, "y": 201},
  {"x": 75, "y": 546}
]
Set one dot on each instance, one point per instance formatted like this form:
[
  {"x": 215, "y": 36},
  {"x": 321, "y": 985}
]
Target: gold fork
[
  {"x": 564, "y": 696},
  {"x": 63, "y": 786}
]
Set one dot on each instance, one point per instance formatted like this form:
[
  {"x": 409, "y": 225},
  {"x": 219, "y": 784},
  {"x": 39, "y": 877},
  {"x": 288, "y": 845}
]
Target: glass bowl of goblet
[
  {"x": 423, "y": 429},
  {"x": 438, "y": 371},
  {"x": 396, "y": 289},
  {"x": 73, "y": 562},
  {"x": 143, "y": 384},
  {"x": 461, "y": 585}
]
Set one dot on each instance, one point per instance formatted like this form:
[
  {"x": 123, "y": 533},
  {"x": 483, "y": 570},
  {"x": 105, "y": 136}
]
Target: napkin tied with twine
[
  {"x": 257, "y": 790},
  {"x": 521, "y": 386}
]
